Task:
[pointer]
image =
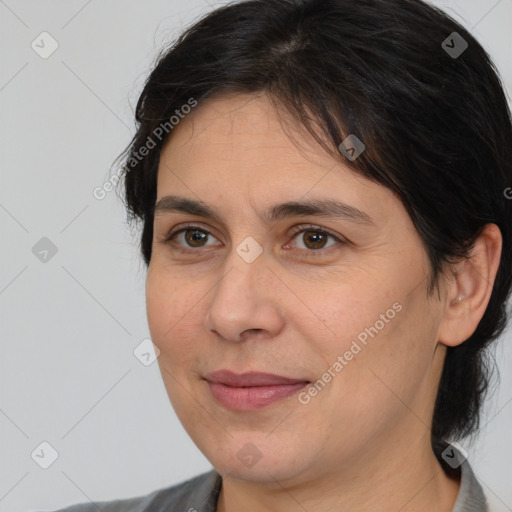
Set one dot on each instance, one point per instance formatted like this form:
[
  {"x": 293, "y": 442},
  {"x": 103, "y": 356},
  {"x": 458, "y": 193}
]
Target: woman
[{"x": 323, "y": 191}]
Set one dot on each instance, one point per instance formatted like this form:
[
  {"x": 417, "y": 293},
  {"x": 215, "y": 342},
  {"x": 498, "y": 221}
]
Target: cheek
[
  {"x": 389, "y": 334},
  {"x": 342, "y": 314},
  {"x": 392, "y": 370},
  {"x": 160, "y": 309},
  {"x": 171, "y": 306}
]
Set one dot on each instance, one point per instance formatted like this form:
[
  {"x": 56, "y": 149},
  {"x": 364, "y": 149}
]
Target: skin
[{"x": 363, "y": 442}]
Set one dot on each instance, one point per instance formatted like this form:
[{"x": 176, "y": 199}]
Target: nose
[{"x": 244, "y": 302}]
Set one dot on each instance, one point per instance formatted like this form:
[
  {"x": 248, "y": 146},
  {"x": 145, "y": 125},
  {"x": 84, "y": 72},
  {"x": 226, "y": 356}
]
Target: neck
[{"x": 407, "y": 478}]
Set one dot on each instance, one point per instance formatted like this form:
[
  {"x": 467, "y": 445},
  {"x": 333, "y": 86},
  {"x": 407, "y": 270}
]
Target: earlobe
[{"x": 469, "y": 291}]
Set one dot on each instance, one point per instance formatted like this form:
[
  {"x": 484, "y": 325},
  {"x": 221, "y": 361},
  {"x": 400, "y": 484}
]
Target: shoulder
[
  {"x": 198, "y": 493},
  {"x": 471, "y": 497}
]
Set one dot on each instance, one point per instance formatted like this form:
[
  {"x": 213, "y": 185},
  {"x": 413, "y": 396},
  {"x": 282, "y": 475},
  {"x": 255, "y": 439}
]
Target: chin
[
  {"x": 264, "y": 461},
  {"x": 259, "y": 473}
]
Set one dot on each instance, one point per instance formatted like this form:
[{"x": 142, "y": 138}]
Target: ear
[{"x": 469, "y": 291}]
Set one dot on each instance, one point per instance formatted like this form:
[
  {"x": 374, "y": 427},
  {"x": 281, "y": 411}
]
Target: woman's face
[{"x": 344, "y": 314}]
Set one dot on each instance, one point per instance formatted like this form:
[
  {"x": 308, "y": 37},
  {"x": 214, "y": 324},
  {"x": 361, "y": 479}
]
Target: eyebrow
[{"x": 311, "y": 207}]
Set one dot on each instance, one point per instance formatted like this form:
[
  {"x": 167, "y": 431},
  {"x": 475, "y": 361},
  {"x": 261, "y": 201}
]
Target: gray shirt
[{"x": 200, "y": 494}]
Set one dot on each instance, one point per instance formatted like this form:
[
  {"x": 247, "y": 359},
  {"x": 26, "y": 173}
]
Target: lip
[
  {"x": 249, "y": 379},
  {"x": 252, "y": 390}
]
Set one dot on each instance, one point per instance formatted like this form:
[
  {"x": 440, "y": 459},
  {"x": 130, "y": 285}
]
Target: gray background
[{"x": 70, "y": 325}]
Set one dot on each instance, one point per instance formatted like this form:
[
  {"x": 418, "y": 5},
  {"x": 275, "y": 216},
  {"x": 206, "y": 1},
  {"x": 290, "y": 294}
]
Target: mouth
[{"x": 251, "y": 391}]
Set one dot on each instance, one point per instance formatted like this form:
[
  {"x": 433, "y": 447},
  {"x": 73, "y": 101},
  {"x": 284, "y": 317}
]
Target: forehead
[
  {"x": 236, "y": 147},
  {"x": 242, "y": 124}
]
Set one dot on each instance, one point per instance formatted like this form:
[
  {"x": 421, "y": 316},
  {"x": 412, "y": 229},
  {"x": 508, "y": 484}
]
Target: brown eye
[
  {"x": 314, "y": 239},
  {"x": 189, "y": 238},
  {"x": 195, "y": 237}
]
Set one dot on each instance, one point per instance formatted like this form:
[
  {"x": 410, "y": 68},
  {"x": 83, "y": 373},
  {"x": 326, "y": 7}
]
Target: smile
[{"x": 251, "y": 391}]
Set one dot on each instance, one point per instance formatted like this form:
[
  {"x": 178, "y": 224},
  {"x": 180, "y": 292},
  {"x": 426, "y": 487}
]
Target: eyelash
[{"x": 299, "y": 229}]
